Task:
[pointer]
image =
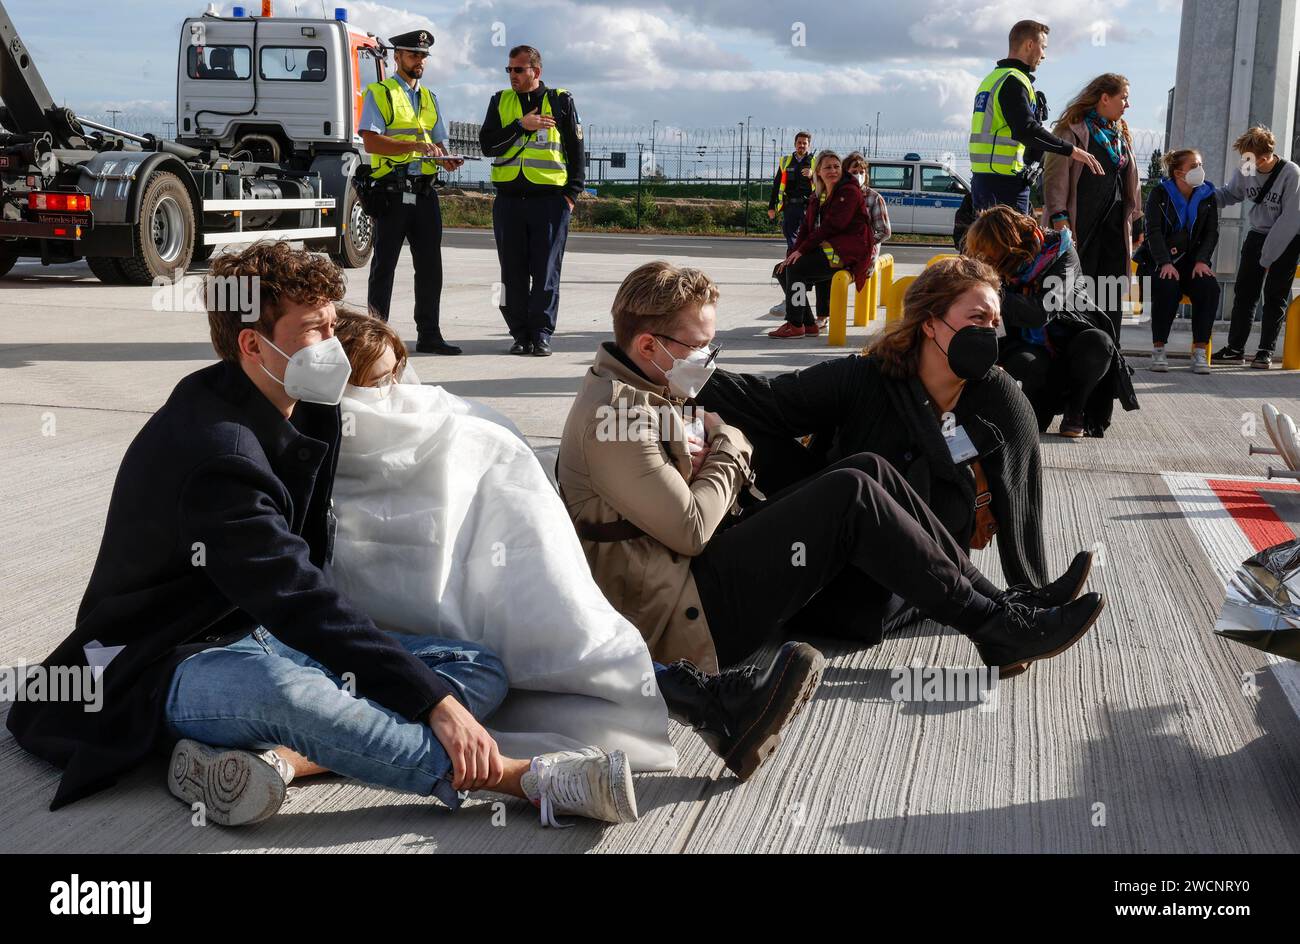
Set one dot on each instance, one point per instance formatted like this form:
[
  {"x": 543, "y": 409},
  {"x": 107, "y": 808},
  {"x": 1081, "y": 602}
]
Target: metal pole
[
  {"x": 746, "y": 191},
  {"x": 638, "y": 183},
  {"x": 875, "y": 151}
]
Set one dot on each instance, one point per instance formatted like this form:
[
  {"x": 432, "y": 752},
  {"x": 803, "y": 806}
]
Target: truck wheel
[
  {"x": 164, "y": 235},
  {"x": 7, "y": 260},
  {"x": 359, "y": 240},
  {"x": 106, "y": 269}
]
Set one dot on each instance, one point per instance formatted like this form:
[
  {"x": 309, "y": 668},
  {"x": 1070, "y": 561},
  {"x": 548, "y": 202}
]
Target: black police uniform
[
  {"x": 531, "y": 221},
  {"x": 409, "y": 212}
]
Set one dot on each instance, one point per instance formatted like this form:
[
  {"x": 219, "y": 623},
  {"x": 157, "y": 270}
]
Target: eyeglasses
[
  {"x": 517, "y": 70},
  {"x": 713, "y": 351}
]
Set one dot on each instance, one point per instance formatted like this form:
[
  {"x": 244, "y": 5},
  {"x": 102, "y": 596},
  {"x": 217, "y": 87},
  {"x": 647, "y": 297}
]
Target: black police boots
[
  {"x": 741, "y": 712},
  {"x": 1019, "y": 634},
  {"x": 435, "y": 345}
]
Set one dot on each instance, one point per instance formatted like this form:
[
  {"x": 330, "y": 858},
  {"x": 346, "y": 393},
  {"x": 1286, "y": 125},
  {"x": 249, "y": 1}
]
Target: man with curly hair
[{"x": 212, "y": 626}]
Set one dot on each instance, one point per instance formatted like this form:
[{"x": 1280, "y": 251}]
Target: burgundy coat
[{"x": 845, "y": 223}]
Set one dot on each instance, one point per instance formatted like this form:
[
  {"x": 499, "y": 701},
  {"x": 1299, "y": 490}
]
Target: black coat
[
  {"x": 219, "y": 522},
  {"x": 851, "y": 406},
  {"x": 1166, "y": 240},
  {"x": 1064, "y": 314}
]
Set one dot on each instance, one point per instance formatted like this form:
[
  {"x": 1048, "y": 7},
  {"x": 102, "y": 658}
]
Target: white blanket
[{"x": 448, "y": 526}]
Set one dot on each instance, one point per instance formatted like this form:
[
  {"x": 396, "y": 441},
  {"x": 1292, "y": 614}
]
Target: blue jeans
[
  {"x": 258, "y": 694},
  {"x": 988, "y": 190}
]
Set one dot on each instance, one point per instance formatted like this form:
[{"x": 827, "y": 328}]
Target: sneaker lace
[{"x": 558, "y": 786}]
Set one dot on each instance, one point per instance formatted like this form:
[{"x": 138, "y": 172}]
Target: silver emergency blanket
[{"x": 1262, "y": 607}]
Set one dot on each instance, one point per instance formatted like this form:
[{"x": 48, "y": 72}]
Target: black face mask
[{"x": 972, "y": 352}]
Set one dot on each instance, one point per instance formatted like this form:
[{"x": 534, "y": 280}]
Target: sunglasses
[
  {"x": 517, "y": 70},
  {"x": 713, "y": 351}
]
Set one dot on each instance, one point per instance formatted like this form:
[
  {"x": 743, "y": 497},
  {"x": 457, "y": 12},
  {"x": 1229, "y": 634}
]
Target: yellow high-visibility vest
[
  {"x": 403, "y": 124},
  {"x": 542, "y": 161},
  {"x": 992, "y": 149},
  {"x": 784, "y": 164}
]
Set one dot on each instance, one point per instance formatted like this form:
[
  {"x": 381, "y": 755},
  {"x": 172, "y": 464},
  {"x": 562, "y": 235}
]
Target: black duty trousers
[
  {"x": 420, "y": 224},
  {"x": 811, "y": 270},
  {"x": 833, "y": 551}
]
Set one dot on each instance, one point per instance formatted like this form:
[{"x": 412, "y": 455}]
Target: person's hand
[
  {"x": 697, "y": 458},
  {"x": 1201, "y": 269},
  {"x": 475, "y": 758},
  {"x": 569, "y": 201},
  {"x": 792, "y": 258},
  {"x": 1086, "y": 159},
  {"x": 1059, "y": 225},
  {"x": 771, "y": 214},
  {"x": 712, "y": 422},
  {"x": 532, "y": 121},
  {"x": 1167, "y": 271},
  {"x": 427, "y": 149},
  {"x": 807, "y": 172}
]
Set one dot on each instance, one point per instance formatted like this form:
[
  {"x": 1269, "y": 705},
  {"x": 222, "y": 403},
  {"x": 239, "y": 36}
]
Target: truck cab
[
  {"x": 922, "y": 196},
  {"x": 273, "y": 89}
]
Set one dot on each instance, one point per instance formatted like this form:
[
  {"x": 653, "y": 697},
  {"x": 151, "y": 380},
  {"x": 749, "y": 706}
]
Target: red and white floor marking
[{"x": 1235, "y": 517}]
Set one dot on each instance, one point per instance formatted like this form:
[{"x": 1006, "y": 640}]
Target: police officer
[
  {"x": 1007, "y": 137},
  {"x": 403, "y": 132},
  {"x": 536, "y": 137},
  {"x": 791, "y": 188}
]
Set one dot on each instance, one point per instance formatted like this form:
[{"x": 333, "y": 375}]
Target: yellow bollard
[
  {"x": 942, "y": 255},
  {"x": 838, "y": 330},
  {"x": 1291, "y": 342},
  {"x": 894, "y": 307},
  {"x": 867, "y": 301}
]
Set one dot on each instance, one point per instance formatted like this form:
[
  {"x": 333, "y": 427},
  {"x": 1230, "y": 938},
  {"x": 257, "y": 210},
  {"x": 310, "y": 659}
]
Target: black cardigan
[
  {"x": 852, "y": 407},
  {"x": 1162, "y": 224}
]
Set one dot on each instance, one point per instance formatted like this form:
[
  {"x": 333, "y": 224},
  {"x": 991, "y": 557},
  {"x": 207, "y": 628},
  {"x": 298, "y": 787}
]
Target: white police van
[{"x": 922, "y": 196}]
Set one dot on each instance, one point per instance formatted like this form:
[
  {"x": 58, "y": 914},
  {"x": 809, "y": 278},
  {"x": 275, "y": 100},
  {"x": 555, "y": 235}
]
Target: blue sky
[{"x": 687, "y": 64}]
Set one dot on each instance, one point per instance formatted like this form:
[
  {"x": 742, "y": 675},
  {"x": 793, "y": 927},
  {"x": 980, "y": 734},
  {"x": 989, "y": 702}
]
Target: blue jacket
[{"x": 219, "y": 522}]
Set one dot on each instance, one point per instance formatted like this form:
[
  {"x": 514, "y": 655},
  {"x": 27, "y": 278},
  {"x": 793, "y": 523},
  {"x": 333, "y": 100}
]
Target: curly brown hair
[
  {"x": 281, "y": 273},
  {"x": 898, "y": 346},
  {"x": 364, "y": 339},
  {"x": 1004, "y": 238}
]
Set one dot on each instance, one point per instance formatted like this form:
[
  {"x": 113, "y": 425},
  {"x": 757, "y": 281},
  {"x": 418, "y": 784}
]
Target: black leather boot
[
  {"x": 1019, "y": 634},
  {"x": 741, "y": 712},
  {"x": 1057, "y": 593}
]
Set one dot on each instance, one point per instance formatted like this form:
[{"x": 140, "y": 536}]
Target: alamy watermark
[{"x": 241, "y": 293}]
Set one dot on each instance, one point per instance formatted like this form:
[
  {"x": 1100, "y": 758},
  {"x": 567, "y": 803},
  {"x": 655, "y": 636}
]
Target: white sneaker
[
  {"x": 235, "y": 787},
  {"x": 1159, "y": 360},
  {"x": 1200, "y": 361},
  {"x": 777, "y": 310},
  {"x": 586, "y": 783}
]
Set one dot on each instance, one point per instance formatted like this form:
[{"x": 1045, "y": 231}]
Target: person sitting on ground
[
  {"x": 1271, "y": 249},
  {"x": 835, "y": 235},
  {"x": 1183, "y": 220},
  {"x": 214, "y": 579},
  {"x": 422, "y": 471},
  {"x": 1059, "y": 345},
  {"x": 960, "y": 432},
  {"x": 657, "y": 523}
]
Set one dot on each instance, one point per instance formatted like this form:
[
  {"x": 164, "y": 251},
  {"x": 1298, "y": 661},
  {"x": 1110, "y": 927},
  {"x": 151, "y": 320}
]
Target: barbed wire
[{"x": 710, "y": 154}]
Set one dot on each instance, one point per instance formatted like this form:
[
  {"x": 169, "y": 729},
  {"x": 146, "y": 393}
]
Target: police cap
[{"x": 414, "y": 41}]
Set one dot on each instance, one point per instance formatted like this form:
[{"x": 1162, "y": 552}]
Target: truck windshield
[{"x": 219, "y": 62}]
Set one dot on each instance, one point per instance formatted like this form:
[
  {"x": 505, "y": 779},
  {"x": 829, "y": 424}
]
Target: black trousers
[
  {"x": 531, "y": 233},
  {"x": 1074, "y": 372},
  {"x": 1103, "y": 259},
  {"x": 420, "y": 224},
  {"x": 1167, "y": 294},
  {"x": 810, "y": 271},
  {"x": 827, "y": 555},
  {"x": 1276, "y": 284},
  {"x": 791, "y": 218}
]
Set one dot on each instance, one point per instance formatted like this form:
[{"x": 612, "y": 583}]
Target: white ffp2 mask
[{"x": 316, "y": 373}]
